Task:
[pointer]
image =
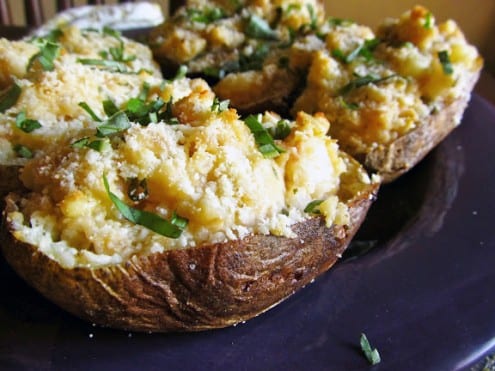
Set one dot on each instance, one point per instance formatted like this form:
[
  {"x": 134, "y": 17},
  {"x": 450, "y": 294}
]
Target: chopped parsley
[
  {"x": 154, "y": 222},
  {"x": 281, "y": 130},
  {"x": 262, "y": 137},
  {"x": 372, "y": 355},
  {"x": 9, "y": 97},
  {"x": 98, "y": 144},
  {"x": 117, "y": 123},
  {"x": 25, "y": 124},
  {"x": 444, "y": 58}
]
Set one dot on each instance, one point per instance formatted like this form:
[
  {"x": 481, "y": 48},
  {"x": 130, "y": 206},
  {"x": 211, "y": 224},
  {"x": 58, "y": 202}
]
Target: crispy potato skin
[
  {"x": 192, "y": 289},
  {"x": 396, "y": 158}
]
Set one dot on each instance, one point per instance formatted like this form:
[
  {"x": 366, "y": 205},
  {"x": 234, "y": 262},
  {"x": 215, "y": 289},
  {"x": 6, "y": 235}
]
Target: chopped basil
[
  {"x": 138, "y": 189},
  {"x": 361, "y": 81},
  {"x": 117, "y": 54},
  {"x": 154, "y": 222},
  {"x": 219, "y": 106},
  {"x": 371, "y": 354},
  {"x": 49, "y": 51},
  {"x": 25, "y": 124},
  {"x": 349, "y": 105},
  {"x": 109, "y": 107},
  {"x": 246, "y": 62},
  {"x": 334, "y": 22},
  {"x": 88, "y": 109},
  {"x": 9, "y": 97},
  {"x": 258, "y": 28},
  {"x": 263, "y": 139},
  {"x": 428, "y": 21},
  {"x": 108, "y": 31},
  {"x": 281, "y": 130},
  {"x": 206, "y": 16},
  {"x": 312, "y": 207},
  {"x": 116, "y": 124},
  {"x": 444, "y": 57},
  {"x": 23, "y": 151}
]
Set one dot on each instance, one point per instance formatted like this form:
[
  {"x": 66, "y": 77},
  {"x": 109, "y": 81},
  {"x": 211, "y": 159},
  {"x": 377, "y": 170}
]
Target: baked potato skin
[
  {"x": 189, "y": 289},
  {"x": 401, "y": 155}
]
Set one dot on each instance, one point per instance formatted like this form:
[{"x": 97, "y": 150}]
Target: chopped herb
[
  {"x": 314, "y": 19},
  {"x": 138, "y": 189},
  {"x": 154, "y": 222},
  {"x": 181, "y": 72},
  {"x": 263, "y": 139},
  {"x": 23, "y": 151},
  {"x": 115, "y": 66},
  {"x": 117, "y": 123},
  {"x": 118, "y": 54},
  {"x": 312, "y": 207},
  {"x": 219, "y": 106},
  {"x": 361, "y": 81},
  {"x": 206, "y": 16},
  {"x": 281, "y": 130},
  {"x": 49, "y": 51},
  {"x": 349, "y": 105},
  {"x": 25, "y": 124},
  {"x": 371, "y": 354},
  {"x": 88, "y": 109},
  {"x": 111, "y": 32},
  {"x": 364, "y": 50},
  {"x": 334, "y": 22},
  {"x": 428, "y": 21},
  {"x": 109, "y": 107},
  {"x": 258, "y": 28},
  {"x": 9, "y": 97},
  {"x": 99, "y": 144},
  {"x": 444, "y": 57}
]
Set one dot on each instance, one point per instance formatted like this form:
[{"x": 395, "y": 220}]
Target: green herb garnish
[
  {"x": 99, "y": 144},
  {"x": 444, "y": 57},
  {"x": 312, "y": 207},
  {"x": 49, "y": 51},
  {"x": 281, "y": 130},
  {"x": 258, "y": 28},
  {"x": 88, "y": 109},
  {"x": 111, "y": 65},
  {"x": 154, "y": 222},
  {"x": 263, "y": 139},
  {"x": 9, "y": 97},
  {"x": 23, "y": 151},
  {"x": 116, "y": 124},
  {"x": 371, "y": 354},
  {"x": 428, "y": 24},
  {"x": 219, "y": 106},
  {"x": 206, "y": 16},
  {"x": 364, "y": 50},
  {"x": 361, "y": 81},
  {"x": 25, "y": 124}
]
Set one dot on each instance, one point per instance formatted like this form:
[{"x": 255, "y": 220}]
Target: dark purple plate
[{"x": 419, "y": 280}]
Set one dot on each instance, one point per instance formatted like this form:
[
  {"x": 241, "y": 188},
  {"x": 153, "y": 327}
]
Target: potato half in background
[{"x": 391, "y": 94}]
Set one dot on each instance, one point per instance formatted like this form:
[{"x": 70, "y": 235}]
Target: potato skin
[
  {"x": 393, "y": 160},
  {"x": 192, "y": 289}
]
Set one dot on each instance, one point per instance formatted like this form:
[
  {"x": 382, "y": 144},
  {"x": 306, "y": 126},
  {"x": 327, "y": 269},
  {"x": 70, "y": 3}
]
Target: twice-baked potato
[
  {"x": 391, "y": 95},
  {"x": 194, "y": 221},
  {"x": 48, "y": 83}
]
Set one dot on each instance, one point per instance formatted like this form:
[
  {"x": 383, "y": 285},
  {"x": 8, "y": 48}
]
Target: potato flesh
[{"x": 208, "y": 169}]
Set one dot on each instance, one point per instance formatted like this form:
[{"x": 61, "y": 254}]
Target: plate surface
[{"x": 418, "y": 280}]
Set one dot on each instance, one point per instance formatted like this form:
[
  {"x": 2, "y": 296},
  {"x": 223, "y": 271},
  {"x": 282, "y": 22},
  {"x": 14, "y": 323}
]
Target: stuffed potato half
[{"x": 198, "y": 221}]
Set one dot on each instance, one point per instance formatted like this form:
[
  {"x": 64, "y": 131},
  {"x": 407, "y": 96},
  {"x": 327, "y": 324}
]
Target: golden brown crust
[
  {"x": 191, "y": 289},
  {"x": 9, "y": 180},
  {"x": 392, "y": 160}
]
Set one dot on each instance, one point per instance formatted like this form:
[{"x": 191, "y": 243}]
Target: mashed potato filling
[
  {"x": 53, "y": 96},
  {"x": 206, "y": 168}
]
